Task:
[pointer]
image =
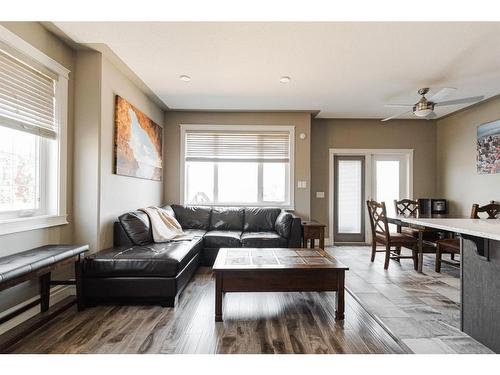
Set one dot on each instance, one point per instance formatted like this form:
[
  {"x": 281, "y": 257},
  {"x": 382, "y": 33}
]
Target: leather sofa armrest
[
  {"x": 295, "y": 238},
  {"x": 120, "y": 237}
]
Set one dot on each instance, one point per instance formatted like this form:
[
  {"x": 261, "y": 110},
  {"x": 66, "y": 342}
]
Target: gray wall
[
  {"x": 120, "y": 194},
  {"x": 86, "y": 147},
  {"x": 365, "y": 134},
  {"x": 301, "y": 121},
  {"x": 458, "y": 179},
  {"x": 100, "y": 195}
]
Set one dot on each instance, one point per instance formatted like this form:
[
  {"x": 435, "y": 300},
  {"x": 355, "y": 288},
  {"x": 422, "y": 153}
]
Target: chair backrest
[
  {"x": 406, "y": 207},
  {"x": 378, "y": 218},
  {"x": 492, "y": 209}
]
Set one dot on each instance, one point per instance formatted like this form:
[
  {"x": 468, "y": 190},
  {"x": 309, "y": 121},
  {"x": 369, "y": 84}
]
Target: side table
[{"x": 311, "y": 231}]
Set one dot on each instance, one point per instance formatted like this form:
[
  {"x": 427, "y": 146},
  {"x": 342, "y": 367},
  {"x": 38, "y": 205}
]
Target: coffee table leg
[
  {"x": 218, "y": 297},
  {"x": 339, "y": 308}
]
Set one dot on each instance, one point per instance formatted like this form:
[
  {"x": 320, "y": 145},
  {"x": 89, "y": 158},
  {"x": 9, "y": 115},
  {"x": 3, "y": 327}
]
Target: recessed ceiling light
[
  {"x": 185, "y": 78},
  {"x": 285, "y": 79}
]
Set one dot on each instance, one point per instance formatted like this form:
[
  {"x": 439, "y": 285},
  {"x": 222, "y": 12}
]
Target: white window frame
[
  {"x": 290, "y": 187},
  {"x": 53, "y": 183}
]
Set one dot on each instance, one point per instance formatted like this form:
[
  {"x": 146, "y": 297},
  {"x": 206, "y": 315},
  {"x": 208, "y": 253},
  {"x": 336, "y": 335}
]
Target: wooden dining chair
[
  {"x": 381, "y": 235},
  {"x": 452, "y": 245},
  {"x": 407, "y": 208}
]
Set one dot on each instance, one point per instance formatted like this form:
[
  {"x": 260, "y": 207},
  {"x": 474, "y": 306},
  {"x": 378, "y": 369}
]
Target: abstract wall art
[{"x": 138, "y": 143}]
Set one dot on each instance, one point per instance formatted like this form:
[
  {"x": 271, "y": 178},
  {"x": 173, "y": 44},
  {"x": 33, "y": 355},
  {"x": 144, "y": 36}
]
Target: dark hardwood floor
[{"x": 253, "y": 323}]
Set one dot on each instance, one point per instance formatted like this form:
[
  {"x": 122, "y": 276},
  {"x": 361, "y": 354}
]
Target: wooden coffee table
[{"x": 278, "y": 270}]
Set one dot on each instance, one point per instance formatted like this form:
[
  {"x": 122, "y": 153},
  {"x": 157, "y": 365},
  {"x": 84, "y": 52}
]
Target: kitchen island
[{"x": 479, "y": 274}]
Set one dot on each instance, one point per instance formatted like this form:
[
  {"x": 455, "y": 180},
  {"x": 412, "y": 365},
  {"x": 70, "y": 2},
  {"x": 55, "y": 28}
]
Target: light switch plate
[
  {"x": 320, "y": 194},
  {"x": 301, "y": 184}
]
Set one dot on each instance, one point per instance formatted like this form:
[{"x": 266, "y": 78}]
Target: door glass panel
[
  {"x": 349, "y": 195},
  {"x": 387, "y": 186}
]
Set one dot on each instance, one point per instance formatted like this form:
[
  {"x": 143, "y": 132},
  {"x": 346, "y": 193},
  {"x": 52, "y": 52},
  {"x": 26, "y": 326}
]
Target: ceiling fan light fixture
[
  {"x": 423, "y": 112},
  {"x": 423, "y": 108}
]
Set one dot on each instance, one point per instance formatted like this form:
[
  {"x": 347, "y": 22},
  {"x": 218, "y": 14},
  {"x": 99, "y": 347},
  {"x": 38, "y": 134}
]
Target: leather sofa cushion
[
  {"x": 137, "y": 226},
  {"x": 260, "y": 219},
  {"x": 263, "y": 239},
  {"x": 159, "y": 260},
  {"x": 195, "y": 232},
  {"x": 284, "y": 224},
  {"x": 218, "y": 239},
  {"x": 192, "y": 217},
  {"x": 227, "y": 218}
]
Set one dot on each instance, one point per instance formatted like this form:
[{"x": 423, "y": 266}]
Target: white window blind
[
  {"x": 27, "y": 96},
  {"x": 265, "y": 146}
]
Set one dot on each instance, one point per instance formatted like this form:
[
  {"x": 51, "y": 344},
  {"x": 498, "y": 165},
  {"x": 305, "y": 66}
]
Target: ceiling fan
[{"x": 425, "y": 107}]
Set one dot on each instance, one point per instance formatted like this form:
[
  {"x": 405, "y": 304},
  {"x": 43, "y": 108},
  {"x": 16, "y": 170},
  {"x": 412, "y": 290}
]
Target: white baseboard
[{"x": 57, "y": 293}]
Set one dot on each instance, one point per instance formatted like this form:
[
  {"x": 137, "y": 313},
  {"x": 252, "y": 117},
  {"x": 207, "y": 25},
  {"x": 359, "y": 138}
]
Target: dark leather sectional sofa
[{"x": 136, "y": 269}]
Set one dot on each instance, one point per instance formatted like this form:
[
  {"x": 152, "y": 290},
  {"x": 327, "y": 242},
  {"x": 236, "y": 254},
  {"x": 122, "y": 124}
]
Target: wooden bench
[{"x": 39, "y": 263}]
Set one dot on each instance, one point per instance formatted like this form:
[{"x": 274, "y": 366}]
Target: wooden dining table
[{"x": 399, "y": 221}]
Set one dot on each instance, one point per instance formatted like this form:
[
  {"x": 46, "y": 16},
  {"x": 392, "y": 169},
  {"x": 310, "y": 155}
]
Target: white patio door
[
  {"x": 357, "y": 175},
  {"x": 390, "y": 179}
]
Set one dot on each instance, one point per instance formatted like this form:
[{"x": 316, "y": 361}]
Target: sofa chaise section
[{"x": 138, "y": 269}]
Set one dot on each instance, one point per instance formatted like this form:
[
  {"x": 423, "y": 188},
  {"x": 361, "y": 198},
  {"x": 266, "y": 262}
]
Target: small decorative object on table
[{"x": 312, "y": 230}]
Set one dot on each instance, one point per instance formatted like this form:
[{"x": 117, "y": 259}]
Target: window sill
[{"x": 30, "y": 223}]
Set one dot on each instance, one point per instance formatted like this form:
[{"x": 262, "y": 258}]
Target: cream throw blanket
[{"x": 165, "y": 227}]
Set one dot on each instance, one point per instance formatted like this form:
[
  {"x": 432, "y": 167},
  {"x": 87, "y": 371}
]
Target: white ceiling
[{"x": 345, "y": 70}]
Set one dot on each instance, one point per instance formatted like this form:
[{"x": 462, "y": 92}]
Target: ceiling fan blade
[
  {"x": 398, "y": 105},
  {"x": 472, "y": 99},
  {"x": 397, "y": 115},
  {"x": 442, "y": 94},
  {"x": 430, "y": 116}
]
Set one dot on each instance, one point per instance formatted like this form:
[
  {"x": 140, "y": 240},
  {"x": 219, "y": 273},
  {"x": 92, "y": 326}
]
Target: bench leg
[
  {"x": 339, "y": 301},
  {"x": 80, "y": 298},
  {"x": 44, "y": 292}
]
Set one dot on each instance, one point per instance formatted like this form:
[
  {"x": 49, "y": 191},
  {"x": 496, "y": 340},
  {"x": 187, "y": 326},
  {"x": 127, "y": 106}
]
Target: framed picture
[
  {"x": 138, "y": 143},
  {"x": 488, "y": 147}
]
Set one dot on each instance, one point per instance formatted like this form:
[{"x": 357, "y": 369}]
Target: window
[
  {"x": 240, "y": 165},
  {"x": 20, "y": 160},
  {"x": 33, "y": 103}
]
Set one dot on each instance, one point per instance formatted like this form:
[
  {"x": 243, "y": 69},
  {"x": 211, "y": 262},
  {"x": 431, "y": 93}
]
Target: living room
[{"x": 174, "y": 187}]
